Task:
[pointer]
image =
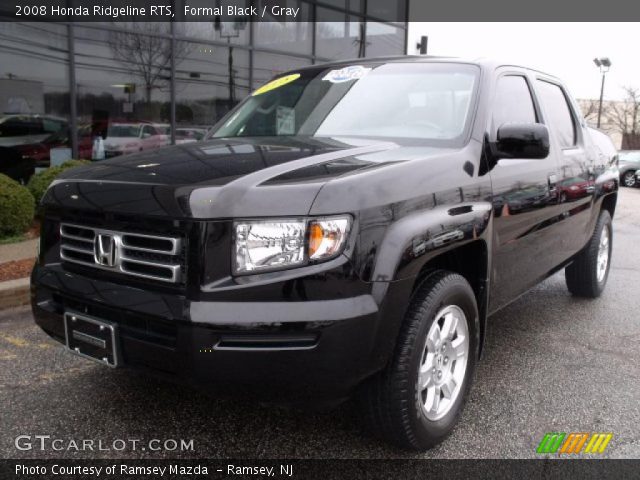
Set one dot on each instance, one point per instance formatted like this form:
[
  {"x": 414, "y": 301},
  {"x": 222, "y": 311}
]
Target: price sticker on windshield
[
  {"x": 347, "y": 74},
  {"x": 277, "y": 83}
]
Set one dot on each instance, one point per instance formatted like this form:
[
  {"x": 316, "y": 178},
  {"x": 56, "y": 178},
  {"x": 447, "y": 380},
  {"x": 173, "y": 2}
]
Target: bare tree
[
  {"x": 625, "y": 115},
  {"x": 589, "y": 109},
  {"x": 146, "y": 54}
]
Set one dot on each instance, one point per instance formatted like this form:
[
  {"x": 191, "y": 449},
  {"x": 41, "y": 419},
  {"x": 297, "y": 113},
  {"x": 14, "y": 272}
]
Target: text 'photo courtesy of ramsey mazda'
[{"x": 343, "y": 233}]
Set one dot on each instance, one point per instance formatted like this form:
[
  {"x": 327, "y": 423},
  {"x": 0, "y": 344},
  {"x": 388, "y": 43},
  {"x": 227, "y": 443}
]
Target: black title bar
[
  {"x": 308, "y": 10},
  {"x": 116, "y": 469}
]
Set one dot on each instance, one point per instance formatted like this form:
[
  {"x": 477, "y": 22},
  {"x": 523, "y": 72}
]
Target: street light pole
[
  {"x": 603, "y": 64},
  {"x": 230, "y": 30},
  {"x": 601, "y": 96}
]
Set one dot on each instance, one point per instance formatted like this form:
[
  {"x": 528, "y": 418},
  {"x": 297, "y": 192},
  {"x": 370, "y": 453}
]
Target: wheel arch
[
  {"x": 609, "y": 203},
  {"x": 456, "y": 238},
  {"x": 471, "y": 261}
]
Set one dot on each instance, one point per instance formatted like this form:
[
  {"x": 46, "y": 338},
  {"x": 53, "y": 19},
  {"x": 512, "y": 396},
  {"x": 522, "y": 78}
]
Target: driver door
[{"x": 524, "y": 199}]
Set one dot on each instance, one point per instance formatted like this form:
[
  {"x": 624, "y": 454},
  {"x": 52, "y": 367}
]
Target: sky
[{"x": 563, "y": 49}]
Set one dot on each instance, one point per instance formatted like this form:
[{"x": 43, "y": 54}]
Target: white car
[
  {"x": 124, "y": 138},
  {"x": 164, "y": 129}
]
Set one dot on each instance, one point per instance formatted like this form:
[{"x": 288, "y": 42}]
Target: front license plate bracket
[{"x": 92, "y": 338}]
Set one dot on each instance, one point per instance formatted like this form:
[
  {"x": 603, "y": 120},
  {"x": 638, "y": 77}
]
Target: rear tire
[
  {"x": 587, "y": 275},
  {"x": 416, "y": 401},
  {"x": 629, "y": 178}
]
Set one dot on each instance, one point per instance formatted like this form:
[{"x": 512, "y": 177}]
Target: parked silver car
[{"x": 629, "y": 164}]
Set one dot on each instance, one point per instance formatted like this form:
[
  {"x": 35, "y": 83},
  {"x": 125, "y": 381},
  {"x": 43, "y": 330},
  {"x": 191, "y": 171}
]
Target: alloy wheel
[
  {"x": 629, "y": 179},
  {"x": 444, "y": 362},
  {"x": 603, "y": 255}
]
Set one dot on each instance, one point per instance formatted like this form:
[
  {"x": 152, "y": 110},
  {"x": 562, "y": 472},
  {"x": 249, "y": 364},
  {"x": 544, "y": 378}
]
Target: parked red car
[
  {"x": 575, "y": 188},
  {"x": 39, "y": 152},
  {"x": 19, "y": 136}
]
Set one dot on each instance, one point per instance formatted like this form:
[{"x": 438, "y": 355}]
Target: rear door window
[
  {"x": 51, "y": 126},
  {"x": 560, "y": 118}
]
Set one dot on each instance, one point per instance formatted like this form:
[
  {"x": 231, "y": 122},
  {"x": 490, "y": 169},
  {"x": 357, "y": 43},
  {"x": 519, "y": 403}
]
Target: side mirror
[
  {"x": 146, "y": 135},
  {"x": 522, "y": 140}
]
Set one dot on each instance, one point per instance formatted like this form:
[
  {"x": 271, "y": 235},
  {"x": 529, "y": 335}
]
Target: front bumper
[{"x": 283, "y": 350}]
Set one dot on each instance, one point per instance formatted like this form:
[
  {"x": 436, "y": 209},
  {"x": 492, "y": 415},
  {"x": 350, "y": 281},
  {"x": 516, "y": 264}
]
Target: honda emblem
[{"x": 105, "y": 250}]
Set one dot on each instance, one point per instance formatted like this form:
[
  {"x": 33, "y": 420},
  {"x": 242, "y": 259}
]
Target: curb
[{"x": 14, "y": 293}]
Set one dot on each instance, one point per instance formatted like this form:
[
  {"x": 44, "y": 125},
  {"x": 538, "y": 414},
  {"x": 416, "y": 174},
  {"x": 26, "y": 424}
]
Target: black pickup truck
[{"x": 347, "y": 230}]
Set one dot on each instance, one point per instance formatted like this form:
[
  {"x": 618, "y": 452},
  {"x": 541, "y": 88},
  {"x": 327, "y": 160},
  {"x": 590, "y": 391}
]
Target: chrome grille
[{"x": 148, "y": 256}]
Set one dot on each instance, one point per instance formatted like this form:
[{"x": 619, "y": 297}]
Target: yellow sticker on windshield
[{"x": 277, "y": 83}]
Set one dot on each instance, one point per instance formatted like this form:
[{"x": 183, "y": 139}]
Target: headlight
[{"x": 278, "y": 244}]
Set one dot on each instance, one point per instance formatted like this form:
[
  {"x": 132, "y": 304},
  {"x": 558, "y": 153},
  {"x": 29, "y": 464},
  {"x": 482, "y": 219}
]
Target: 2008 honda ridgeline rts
[{"x": 348, "y": 228}]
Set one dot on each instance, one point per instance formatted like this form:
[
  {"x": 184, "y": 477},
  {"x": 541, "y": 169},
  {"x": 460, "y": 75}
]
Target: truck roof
[{"x": 484, "y": 62}]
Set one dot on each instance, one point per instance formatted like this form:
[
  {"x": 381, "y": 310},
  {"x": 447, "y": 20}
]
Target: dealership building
[{"x": 85, "y": 77}]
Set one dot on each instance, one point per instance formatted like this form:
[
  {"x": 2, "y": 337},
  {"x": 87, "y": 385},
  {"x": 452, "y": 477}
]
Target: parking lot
[{"x": 551, "y": 363}]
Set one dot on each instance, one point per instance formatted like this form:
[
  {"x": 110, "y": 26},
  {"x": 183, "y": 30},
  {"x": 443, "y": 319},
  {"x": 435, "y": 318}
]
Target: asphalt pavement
[{"x": 552, "y": 363}]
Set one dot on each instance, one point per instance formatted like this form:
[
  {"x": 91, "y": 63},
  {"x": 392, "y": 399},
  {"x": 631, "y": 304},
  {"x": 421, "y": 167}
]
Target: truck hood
[{"x": 223, "y": 178}]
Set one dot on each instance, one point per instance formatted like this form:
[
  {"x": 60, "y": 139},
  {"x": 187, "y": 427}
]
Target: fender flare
[{"x": 414, "y": 241}]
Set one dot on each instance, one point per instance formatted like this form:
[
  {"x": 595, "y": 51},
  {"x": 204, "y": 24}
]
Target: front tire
[
  {"x": 587, "y": 275},
  {"x": 416, "y": 401}
]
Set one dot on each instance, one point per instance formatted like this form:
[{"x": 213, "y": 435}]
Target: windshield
[
  {"x": 418, "y": 100},
  {"x": 123, "y": 131}
]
